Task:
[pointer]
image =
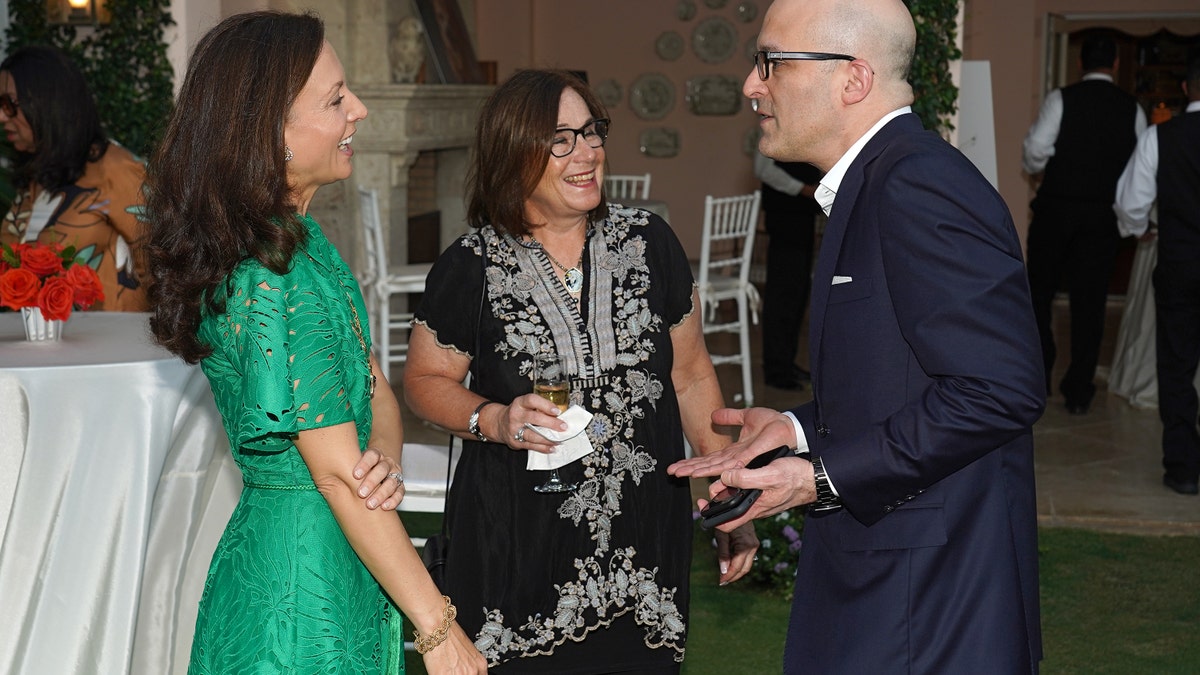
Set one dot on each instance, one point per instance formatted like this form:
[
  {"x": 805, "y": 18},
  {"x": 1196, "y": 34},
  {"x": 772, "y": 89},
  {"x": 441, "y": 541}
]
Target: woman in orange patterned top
[{"x": 73, "y": 185}]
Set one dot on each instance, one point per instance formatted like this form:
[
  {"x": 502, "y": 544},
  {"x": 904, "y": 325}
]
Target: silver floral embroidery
[{"x": 609, "y": 582}]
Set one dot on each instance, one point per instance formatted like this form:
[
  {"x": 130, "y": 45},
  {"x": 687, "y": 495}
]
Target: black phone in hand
[{"x": 731, "y": 503}]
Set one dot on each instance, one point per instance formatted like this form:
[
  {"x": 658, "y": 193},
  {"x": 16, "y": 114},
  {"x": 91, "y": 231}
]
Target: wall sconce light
[{"x": 77, "y": 12}]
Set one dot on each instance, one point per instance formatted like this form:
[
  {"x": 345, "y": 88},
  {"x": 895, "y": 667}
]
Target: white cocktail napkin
[{"x": 572, "y": 443}]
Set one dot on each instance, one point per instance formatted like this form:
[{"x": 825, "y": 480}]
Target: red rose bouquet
[{"x": 46, "y": 276}]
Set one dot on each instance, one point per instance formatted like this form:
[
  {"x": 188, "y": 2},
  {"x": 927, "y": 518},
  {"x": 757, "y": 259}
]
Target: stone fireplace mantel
[{"x": 403, "y": 121}]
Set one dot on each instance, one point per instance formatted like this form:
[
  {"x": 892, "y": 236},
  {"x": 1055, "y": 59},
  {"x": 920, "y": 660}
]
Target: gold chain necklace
[{"x": 573, "y": 276}]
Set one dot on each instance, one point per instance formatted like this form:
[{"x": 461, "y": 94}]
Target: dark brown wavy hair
[
  {"x": 60, "y": 110},
  {"x": 217, "y": 188},
  {"x": 512, "y": 147}
]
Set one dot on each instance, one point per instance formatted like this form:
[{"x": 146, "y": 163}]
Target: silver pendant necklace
[{"x": 572, "y": 276}]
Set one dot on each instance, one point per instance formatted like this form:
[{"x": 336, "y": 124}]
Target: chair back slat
[{"x": 618, "y": 187}]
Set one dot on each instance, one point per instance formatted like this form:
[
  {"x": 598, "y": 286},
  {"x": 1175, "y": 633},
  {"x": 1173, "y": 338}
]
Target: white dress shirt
[
  {"x": 1039, "y": 142},
  {"x": 1138, "y": 186}
]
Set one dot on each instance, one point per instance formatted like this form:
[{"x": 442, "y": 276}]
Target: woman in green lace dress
[{"x": 307, "y": 577}]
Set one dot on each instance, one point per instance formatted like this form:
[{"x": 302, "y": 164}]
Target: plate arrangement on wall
[
  {"x": 669, "y": 46},
  {"x": 660, "y": 142},
  {"x": 714, "y": 95},
  {"x": 609, "y": 92},
  {"x": 652, "y": 96},
  {"x": 747, "y": 11},
  {"x": 714, "y": 40}
]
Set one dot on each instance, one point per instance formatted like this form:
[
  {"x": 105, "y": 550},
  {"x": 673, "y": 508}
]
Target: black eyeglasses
[
  {"x": 763, "y": 60},
  {"x": 9, "y": 105},
  {"x": 594, "y": 134}
]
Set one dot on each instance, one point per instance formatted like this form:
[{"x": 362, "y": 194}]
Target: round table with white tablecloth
[{"x": 121, "y": 494}]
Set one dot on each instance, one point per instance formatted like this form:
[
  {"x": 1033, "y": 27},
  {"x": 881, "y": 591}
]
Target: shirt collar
[
  {"x": 827, "y": 189},
  {"x": 1192, "y": 107},
  {"x": 1098, "y": 76}
]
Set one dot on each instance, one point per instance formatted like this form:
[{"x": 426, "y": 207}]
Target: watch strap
[
  {"x": 473, "y": 423},
  {"x": 827, "y": 499}
]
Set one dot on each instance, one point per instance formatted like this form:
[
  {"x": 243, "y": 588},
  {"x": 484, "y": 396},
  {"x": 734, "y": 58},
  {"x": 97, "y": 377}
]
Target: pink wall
[{"x": 615, "y": 39}]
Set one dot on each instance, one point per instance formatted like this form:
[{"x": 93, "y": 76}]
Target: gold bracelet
[{"x": 425, "y": 643}]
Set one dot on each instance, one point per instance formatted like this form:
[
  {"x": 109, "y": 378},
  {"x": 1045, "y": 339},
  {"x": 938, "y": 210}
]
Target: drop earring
[{"x": 287, "y": 154}]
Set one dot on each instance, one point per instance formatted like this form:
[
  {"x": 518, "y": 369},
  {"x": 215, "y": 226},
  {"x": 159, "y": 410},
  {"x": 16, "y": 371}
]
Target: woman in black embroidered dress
[{"x": 594, "y": 580}]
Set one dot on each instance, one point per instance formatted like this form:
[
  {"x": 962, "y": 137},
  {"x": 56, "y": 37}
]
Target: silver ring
[
  {"x": 398, "y": 476},
  {"x": 520, "y": 435}
]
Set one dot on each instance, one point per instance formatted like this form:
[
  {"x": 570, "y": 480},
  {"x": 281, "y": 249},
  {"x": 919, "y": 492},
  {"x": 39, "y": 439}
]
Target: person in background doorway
[
  {"x": 1079, "y": 144},
  {"x": 1165, "y": 169}
]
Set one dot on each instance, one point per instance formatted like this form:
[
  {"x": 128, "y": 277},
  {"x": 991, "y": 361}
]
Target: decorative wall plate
[
  {"x": 669, "y": 46},
  {"x": 652, "y": 96},
  {"x": 747, "y": 11},
  {"x": 715, "y": 4},
  {"x": 660, "y": 142},
  {"x": 714, "y": 39},
  {"x": 685, "y": 10},
  {"x": 750, "y": 48},
  {"x": 609, "y": 92},
  {"x": 714, "y": 95}
]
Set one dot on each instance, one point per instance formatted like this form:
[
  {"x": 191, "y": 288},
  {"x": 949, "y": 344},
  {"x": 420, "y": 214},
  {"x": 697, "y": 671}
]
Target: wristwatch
[
  {"x": 473, "y": 423},
  {"x": 827, "y": 500}
]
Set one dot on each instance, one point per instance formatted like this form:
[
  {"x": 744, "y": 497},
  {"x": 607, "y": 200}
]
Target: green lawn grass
[{"x": 1110, "y": 604}]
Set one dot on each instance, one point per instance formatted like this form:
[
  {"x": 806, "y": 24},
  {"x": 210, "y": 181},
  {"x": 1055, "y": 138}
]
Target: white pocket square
[{"x": 842, "y": 280}]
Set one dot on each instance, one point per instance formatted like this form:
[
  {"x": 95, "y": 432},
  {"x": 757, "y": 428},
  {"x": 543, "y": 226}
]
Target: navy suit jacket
[{"x": 927, "y": 379}]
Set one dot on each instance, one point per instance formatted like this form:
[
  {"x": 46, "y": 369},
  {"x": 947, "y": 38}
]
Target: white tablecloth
[
  {"x": 1133, "y": 375},
  {"x": 124, "y": 488}
]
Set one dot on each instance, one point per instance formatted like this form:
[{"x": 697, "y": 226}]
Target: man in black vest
[
  {"x": 790, "y": 217},
  {"x": 1081, "y": 140},
  {"x": 1166, "y": 166}
]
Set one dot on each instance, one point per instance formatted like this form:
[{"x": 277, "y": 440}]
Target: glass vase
[{"x": 38, "y": 329}]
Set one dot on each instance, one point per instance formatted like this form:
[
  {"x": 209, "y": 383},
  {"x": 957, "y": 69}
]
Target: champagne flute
[{"x": 550, "y": 381}]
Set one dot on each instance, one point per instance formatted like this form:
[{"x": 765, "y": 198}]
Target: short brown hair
[{"x": 512, "y": 147}]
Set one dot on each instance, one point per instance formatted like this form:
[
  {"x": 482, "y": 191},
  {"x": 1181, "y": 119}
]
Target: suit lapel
[{"x": 835, "y": 233}]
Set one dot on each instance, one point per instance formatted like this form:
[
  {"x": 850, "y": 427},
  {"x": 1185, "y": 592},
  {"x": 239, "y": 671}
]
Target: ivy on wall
[
  {"x": 935, "y": 91},
  {"x": 124, "y": 61}
]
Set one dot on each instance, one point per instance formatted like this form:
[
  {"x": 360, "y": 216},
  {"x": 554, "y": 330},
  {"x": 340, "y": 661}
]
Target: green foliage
[
  {"x": 124, "y": 61},
  {"x": 778, "y": 552},
  {"x": 936, "y": 93}
]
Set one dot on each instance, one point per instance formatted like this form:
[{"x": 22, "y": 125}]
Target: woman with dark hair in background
[
  {"x": 74, "y": 186},
  {"x": 594, "y": 580},
  {"x": 246, "y": 283}
]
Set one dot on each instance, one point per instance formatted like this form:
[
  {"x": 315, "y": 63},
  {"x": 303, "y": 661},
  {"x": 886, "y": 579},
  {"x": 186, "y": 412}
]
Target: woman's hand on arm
[
  {"x": 381, "y": 542},
  {"x": 380, "y": 463}
]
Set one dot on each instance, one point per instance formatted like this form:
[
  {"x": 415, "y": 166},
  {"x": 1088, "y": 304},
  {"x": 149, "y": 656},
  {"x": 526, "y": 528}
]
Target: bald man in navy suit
[{"x": 915, "y": 456}]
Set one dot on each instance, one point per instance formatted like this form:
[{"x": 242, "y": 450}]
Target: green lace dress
[{"x": 285, "y": 592}]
